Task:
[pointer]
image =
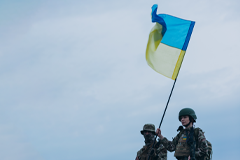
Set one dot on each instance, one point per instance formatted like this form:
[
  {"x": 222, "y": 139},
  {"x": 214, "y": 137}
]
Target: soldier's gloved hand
[{"x": 159, "y": 133}]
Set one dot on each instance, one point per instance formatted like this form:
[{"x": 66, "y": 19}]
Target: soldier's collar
[{"x": 188, "y": 129}]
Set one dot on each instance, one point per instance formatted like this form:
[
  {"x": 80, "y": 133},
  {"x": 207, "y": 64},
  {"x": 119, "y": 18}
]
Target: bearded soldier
[
  {"x": 158, "y": 152},
  {"x": 190, "y": 143}
]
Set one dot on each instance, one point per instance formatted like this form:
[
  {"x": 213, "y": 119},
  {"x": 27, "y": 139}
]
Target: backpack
[{"x": 209, "y": 145}]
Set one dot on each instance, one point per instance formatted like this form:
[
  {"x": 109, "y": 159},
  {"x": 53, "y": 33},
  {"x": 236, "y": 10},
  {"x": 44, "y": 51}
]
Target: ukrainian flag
[{"x": 167, "y": 43}]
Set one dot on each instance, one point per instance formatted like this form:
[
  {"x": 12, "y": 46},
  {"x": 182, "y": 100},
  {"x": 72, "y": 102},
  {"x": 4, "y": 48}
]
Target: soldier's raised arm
[{"x": 169, "y": 145}]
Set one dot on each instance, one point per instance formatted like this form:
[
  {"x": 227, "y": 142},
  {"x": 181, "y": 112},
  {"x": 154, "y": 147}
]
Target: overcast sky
[{"x": 74, "y": 82}]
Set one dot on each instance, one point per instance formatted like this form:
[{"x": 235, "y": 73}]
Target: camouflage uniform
[
  {"x": 158, "y": 152},
  {"x": 181, "y": 148}
]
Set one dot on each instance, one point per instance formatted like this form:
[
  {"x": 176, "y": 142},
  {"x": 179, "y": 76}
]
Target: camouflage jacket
[
  {"x": 160, "y": 152},
  {"x": 200, "y": 148}
]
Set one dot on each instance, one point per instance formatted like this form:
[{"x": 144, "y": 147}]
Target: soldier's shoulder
[
  {"x": 198, "y": 130},
  {"x": 141, "y": 150},
  {"x": 200, "y": 135}
]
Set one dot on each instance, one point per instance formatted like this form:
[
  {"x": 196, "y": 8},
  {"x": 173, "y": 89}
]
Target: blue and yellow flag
[{"x": 167, "y": 43}]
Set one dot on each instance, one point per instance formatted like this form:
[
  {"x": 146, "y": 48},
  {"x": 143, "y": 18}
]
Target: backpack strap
[{"x": 196, "y": 133}]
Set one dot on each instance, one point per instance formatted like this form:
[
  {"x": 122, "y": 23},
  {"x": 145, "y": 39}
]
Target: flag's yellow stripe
[
  {"x": 154, "y": 40},
  {"x": 164, "y": 59},
  {"x": 178, "y": 65}
]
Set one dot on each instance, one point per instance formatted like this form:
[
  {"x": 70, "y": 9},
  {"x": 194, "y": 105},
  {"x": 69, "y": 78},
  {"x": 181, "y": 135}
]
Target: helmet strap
[
  {"x": 187, "y": 124},
  {"x": 190, "y": 120}
]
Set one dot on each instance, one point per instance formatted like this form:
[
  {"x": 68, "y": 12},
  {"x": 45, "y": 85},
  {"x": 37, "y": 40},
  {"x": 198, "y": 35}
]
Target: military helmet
[
  {"x": 148, "y": 127},
  {"x": 187, "y": 112}
]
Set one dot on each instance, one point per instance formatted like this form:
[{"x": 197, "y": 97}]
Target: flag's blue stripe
[
  {"x": 158, "y": 19},
  {"x": 188, "y": 36},
  {"x": 176, "y": 31}
]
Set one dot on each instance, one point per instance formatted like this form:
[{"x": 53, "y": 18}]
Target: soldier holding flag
[
  {"x": 190, "y": 142},
  {"x": 158, "y": 152}
]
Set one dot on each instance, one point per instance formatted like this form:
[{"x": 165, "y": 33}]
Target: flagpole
[
  {"x": 164, "y": 113},
  {"x": 167, "y": 104}
]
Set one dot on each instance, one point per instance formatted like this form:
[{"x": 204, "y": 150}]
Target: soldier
[
  {"x": 190, "y": 142},
  {"x": 158, "y": 152}
]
